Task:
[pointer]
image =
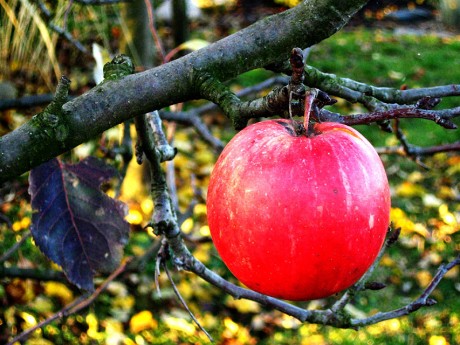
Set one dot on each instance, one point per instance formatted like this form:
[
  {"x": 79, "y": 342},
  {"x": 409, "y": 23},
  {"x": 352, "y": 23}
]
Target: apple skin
[{"x": 298, "y": 217}]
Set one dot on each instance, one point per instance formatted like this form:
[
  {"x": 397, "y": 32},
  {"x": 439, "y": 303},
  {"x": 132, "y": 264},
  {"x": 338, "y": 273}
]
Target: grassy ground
[{"x": 383, "y": 59}]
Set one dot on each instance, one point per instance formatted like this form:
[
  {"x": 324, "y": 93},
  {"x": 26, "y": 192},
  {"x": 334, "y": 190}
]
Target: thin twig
[
  {"x": 191, "y": 118},
  {"x": 181, "y": 299},
  {"x": 161, "y": 256},
  {"x": 121, "y": 269},
  {"x": 60, "y": 314},
  {"x": 405, "y": 144},
  {"x": 422, "y": 301},
  {"x": 153, "y": 31},
  {"x": 101, "y": 2},
  {"x": 15, "y": 247},
  {"x": 5, "y": 219},
  {"x": 75, "y": 306},
  {"x": 441, "y": 117},
  {"x": 60, "y": 31},
  {"x": 418, "y": 150}
]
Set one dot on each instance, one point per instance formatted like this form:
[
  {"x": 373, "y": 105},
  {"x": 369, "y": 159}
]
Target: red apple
[{"x": 298, "y": 217}]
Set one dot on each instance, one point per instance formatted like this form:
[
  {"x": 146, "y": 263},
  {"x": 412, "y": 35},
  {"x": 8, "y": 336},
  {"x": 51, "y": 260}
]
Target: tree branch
[
  {"x": 101, "y": 2},
  {"x": 422, "y": 301},
  {"x": 75, "y": 306},
  {"x": 355, "y": 91},
  {"x": 60, "y": 31},
  {"x": 192, "y": 118},
  {"x": 26, "y": 101},
  {"x": 5, "y": 256},
  {"x": 441, "y": 117},
  {"x": 418, "y": 150},
  {"x": 31, "y": 273},
  {"x": 115, "y": 101}
]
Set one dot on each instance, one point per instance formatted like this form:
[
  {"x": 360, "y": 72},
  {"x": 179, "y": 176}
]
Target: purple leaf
[{"x": 74, "y": 223}]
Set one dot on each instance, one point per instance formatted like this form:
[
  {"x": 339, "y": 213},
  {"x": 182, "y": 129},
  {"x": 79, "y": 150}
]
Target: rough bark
[{"x": 266, "y": 42}]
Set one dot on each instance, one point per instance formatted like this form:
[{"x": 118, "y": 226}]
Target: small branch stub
[{"x": 312, "y": 99}]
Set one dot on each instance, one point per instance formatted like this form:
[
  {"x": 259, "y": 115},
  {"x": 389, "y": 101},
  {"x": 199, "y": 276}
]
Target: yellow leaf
[
  {"x": 231, "y": 328},
  {"x": 42, "y": 305},
  {"x": 314, "y": 339},
  {"x": 123, "y": 302},
  {"x": 400, "y": 220},
  {"x": 204, "y": 157},
  {"x": 392, "y": 326},
  {"x": 93, "y": 326},
  {"x": 204, "y": 231},
  {"x": 134, "y": 217},
  {"x": 453, "y": 273},
  {"x": 244, "y": 306},
  {"x": 437, "y": 340},
  {"x": 29, "y": 319},
  {"x": 415, "y": 177},
  {"x": 17, "y": 226},
  {"x": 142, "y": 321},
  {"x": 202, "y": 253},
  {"x": 38, "y": 341},
  {"x": 387, "y": 261},
  {"x": 186, "y": 289},
  {"x": 409, "y": 190},
  {"x": 25, "y": 222},
  {"x": 446, "y": 216},
  {"x": 195, "y": 44},
  {"x": 200, "y": 210},
  {"x": 421, "y": 230},
  {"x": 179, "y": 324},
  {"x": 147, "y": 206},
  {"x": 133, "y": 187},
  {"x": 423, "y": 278},
  {"x": 187, "y": 226},
  {"x": 59, "y": 290}
]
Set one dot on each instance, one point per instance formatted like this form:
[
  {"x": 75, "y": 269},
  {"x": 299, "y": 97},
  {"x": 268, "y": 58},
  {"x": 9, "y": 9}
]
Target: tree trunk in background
[
  {"x": 139, "y": 42},
  {"x": 450, "y": 13},
  {"x": 180, "y": 21}
]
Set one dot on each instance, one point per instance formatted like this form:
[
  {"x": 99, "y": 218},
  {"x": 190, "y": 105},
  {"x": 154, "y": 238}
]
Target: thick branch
[{"x": 265, "y": 42}]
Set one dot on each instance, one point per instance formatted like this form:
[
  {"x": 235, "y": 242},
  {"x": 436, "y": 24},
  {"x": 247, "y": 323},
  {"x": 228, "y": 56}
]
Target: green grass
[{"x": 382, "y": 59}]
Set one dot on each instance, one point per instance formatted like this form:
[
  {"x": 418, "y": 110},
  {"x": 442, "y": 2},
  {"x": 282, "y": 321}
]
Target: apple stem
[{"x": 310, "y": 96}]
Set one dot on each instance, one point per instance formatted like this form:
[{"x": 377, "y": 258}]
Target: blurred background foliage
[{"x": 425, "y": 202}]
